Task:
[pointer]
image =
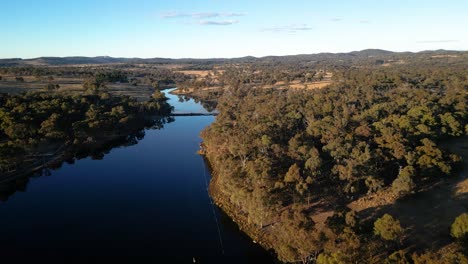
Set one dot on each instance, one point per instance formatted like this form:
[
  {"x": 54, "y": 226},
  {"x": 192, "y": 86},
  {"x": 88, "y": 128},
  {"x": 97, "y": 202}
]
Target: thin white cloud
[
  {"x": 362, "y": 21},
  {"x": 288, "y": 29},
  {"x": 200, "y": 15},
  {"x": 233, "y": 14},
  {"x": 218, "y": 23},
  {"x": 174, "y": 15},
  {"x": 438, "y": 41},
  {"x": 205, "y": 15}
]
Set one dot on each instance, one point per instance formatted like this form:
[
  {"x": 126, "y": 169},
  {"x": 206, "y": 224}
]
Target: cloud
[
  {"x": 205, "y": 15},
  {"x": 288, "y": 29},
  {"x": 363, "y": 21},
  {"x": 218, "y": 23},
  {"x": 201, "y": 15},
  {"x": 232, "y": 14},
  {"x": 201, "y": 18},
  {"x": 438, "y": 41},
  {"x": 174, "y": 15}
]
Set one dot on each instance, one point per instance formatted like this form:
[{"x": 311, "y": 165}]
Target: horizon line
[{"x": 217, "y": 58}]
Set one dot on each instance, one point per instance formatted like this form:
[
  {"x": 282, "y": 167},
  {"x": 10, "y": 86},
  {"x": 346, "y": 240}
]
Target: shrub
[
  {"x": 459, "y": 229},
  {"x": 388, "y": 228}
]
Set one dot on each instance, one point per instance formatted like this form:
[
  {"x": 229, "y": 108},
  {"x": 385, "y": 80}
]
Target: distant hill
[
  {"x": 368, "y": 53},
  {"x": 372, "y": 52}
]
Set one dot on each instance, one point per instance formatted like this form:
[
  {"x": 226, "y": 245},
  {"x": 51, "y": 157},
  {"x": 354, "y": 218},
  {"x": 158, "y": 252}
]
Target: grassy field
[
  {"x": 10, "y": 85},
  {"x": 201, "y": 74}
]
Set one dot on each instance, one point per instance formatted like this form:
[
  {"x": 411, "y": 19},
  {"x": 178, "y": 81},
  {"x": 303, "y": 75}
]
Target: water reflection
[
  {"x": 189, "y": 104},
  {"x": 96, "y": 150},
  {"x": 146, "y": 200},
  {"x": 208, "y": 105}
]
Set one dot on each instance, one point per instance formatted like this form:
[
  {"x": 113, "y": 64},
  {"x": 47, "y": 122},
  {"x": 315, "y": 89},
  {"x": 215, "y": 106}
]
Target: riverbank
[
  {"x": 448, "y": 197},
  {"x": 52, "y": 154},
  {"x": 235, "y": 213}
]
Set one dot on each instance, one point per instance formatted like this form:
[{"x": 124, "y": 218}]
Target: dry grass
[
  {"x": 445, "y": 56},
  {"x": 279, "y": 85},
  {"x": 311, "y": 85},
  {"x": 173, "y": 66},
  {"x": 383, "y": 198},
  {"x": 320, "y": 218},
  {"x": 201, "y": 74},
  {"x": 392, "y": 62},
  {"x": 191, "y": 90},
  {"x": 10, "y": 85},
  {"x": 461, "y": 188}
]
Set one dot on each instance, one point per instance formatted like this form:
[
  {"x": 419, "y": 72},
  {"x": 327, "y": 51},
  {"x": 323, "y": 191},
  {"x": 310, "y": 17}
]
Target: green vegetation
[
  {"x": 38, "y": 123},
  {"x": 388, "y": 228},
  {"x": 288, "y": 163},
  {"x": 459, "y": 228}
]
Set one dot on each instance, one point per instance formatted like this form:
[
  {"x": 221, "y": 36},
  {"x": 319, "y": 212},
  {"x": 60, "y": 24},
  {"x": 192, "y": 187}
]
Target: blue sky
[{"x": 227, "y": 28}]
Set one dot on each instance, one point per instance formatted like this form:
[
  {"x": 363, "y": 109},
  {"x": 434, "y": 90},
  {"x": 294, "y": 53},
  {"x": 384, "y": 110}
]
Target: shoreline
[
  {"x": 256, "y": 235},
  {"x": 66, "y": 151}
]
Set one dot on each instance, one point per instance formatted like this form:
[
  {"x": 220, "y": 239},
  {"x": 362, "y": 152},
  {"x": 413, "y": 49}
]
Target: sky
[{"x": 227, "y": 28}]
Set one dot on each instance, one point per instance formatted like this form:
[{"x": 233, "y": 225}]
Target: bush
[
  {"x": 388, "y": 228},
  {"x": 333, "y": 258},
  {"x": 459, "y": 229},
  {"x": 397, "y": 257},
  {"x": 404, "y": 184}
]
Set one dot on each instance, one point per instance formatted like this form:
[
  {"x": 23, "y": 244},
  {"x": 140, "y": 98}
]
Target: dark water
[
  {"x": 142, "y": 202},
  {"x": 184, "y": 104}
]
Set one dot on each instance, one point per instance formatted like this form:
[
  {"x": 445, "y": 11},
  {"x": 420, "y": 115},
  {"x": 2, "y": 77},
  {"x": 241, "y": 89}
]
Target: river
[{"x": 140, "y": 202}]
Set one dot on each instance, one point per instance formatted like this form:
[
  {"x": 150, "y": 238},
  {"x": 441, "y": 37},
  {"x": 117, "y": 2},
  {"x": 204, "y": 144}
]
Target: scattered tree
[
  {"x": 388, "y": 228},
  {"x": 459, "y": 228}
]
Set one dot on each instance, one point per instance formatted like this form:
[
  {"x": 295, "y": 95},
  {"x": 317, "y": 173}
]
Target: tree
[
  {"x": 333, "y": 258},
  {"x": 50, "y": 127},
  {"x": 51, "y": 87},
  {"x": 155, "y": 85},
  {"x": 93, "y": 85},
  {"x": 158, "y": 95},
  {"x": 314, "y": 163},
  {"x": 388, "y": 228},
  {"x": 404, "y": 184},
  {"x": 293, "y": 174},
  {"x": 459, "y": 228},
  {"x": 431, "y": 156},
  {"x": 443, "y": 256},
  {"x": 351, "y": 219},
  {"x": 397, "y": 257}
]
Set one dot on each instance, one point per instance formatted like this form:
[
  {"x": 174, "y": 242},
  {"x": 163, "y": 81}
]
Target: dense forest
[
  {"x": 43, "y": 125},
  {"x": 289, "y": 164}
]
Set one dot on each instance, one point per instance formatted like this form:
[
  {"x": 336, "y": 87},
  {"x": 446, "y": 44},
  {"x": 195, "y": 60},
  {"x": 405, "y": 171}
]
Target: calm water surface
[{"x": 146, "y": 201}]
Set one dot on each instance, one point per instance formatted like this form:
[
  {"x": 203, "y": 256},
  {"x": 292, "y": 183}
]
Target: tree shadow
[
  {"x": 427, "y": 215},
  {"x": 96, "y": 150}
]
